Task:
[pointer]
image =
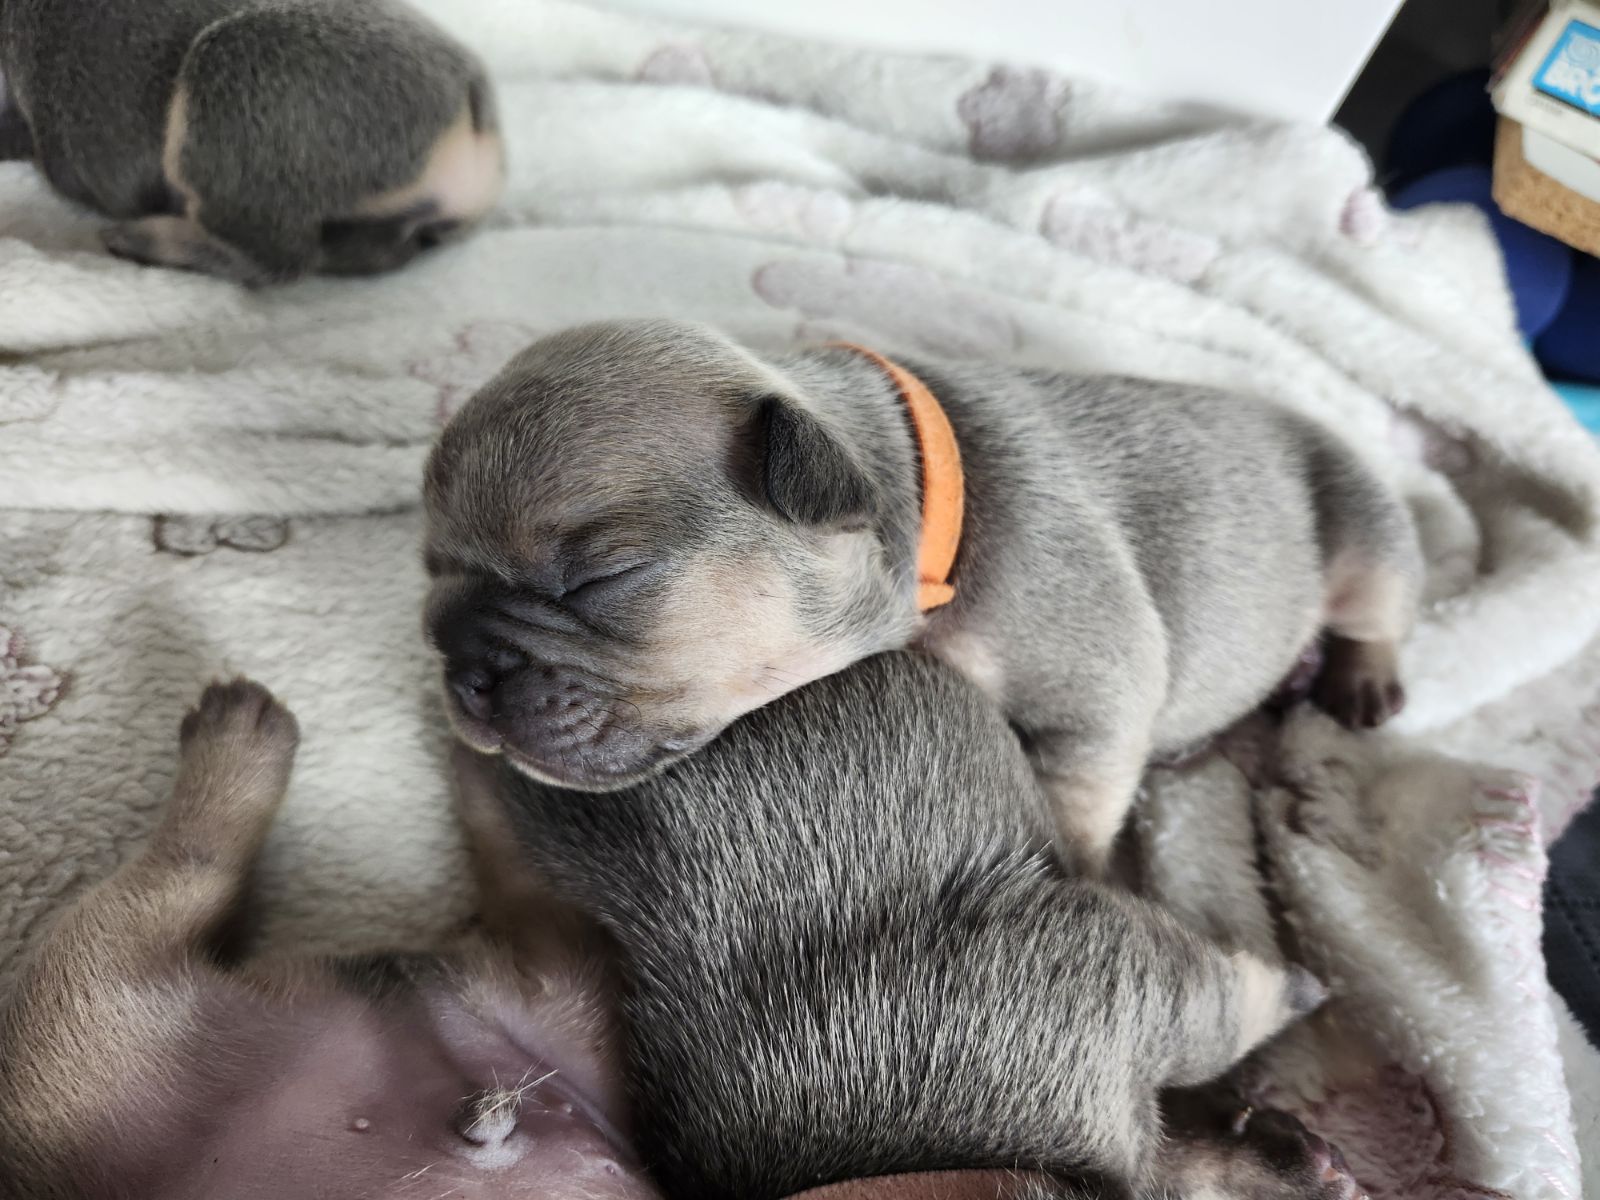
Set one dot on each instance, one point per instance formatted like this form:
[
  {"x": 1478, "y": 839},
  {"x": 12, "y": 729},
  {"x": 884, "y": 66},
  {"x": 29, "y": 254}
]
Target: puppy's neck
[
  {"x": 864, "y": 402},
  {"x": 943, "y": 488}
]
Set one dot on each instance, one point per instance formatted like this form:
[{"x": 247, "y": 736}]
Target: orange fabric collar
[
  {"x": 935, "y": 1185},
  {"x": 943, "y": 485}
]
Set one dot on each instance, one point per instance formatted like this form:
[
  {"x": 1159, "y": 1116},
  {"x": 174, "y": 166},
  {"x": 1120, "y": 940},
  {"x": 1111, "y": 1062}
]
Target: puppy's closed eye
[{"x": 594, "y": 592}]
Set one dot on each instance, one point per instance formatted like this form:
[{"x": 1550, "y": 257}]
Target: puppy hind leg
[
  {"x": 1368, "y": 610},
  {"x": 82, "y": 1023},
  {"x": 171, "y": 902},
  {"x": 1372, "y": 579},
  {"x": 1267, "y": 998},
  {"x": 236, "y": 749},
  {"x": 1232, "y": 1003},
  {"x": 1090, "y": 789}
]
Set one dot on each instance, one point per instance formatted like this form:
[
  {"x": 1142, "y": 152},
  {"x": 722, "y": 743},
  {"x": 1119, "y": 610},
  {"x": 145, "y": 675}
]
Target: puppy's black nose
[{"x": 474, "y": 683}]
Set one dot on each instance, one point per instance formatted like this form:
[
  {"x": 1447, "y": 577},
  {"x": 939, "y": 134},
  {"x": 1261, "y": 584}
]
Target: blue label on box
[{"x": 1571, "y": 73}]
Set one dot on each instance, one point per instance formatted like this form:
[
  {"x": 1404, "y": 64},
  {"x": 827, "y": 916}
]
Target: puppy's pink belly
[{"x": 341, "y": 1098}]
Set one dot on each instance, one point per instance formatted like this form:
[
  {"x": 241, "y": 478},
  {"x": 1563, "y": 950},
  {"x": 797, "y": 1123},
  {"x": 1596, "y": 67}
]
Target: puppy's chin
[
  {"x": 584, "y": 767},
  {"x": 591, "y": 777}
]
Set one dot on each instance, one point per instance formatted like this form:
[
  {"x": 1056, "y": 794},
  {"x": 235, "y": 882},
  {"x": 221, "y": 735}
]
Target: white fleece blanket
[{"x": 196, "y": 479}]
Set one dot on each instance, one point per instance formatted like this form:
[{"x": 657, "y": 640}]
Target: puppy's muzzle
[{"x": 554, "y": 722}]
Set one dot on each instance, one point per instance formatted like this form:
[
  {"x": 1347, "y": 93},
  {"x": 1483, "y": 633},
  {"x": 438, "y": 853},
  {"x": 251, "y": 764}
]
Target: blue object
[
  {"x": 1451, "y": 124},
  {"x": 1584, "y": 401},
  {"x": 1570, "y": 345},
  {"x": 1571, "y": 71},
  {"x": 1538, "y": 267}
]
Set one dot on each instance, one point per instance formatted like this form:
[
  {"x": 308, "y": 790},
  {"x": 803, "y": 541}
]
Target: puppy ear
[{"x": 808, "y": 475}]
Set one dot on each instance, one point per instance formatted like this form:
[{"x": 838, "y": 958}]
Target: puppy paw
[
  {"x": 130, "y": 241},
  {"x": 1219, "y": 1144},
  {"x": 236, "y": 748},
  {"x": 179, "y": 243},
  {"x": 1297, "y": 1161},
  {"x": 241, "y": 712},
  {"x": 1359, "y": 685}
]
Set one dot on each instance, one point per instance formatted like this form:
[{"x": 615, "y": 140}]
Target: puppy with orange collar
[
  {"x": 252, "y": 139},
  {"x": 640, "y": 530}
]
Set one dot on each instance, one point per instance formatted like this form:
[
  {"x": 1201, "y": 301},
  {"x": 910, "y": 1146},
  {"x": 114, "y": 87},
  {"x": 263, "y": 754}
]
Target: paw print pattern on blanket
[
  {"x": 474, "y": 356},
  {"x": 1365, "y": 217},
  {"x": 26, "y": 692},
  {"x": 1090, "y": 223},
  {"x": 1012, "y": 116},
  {"x": 912, "y": 306},
  {"x": 188, "y": 536},
  {"x": 677, "y": 63},
  {"x": 820, "y": 216}
]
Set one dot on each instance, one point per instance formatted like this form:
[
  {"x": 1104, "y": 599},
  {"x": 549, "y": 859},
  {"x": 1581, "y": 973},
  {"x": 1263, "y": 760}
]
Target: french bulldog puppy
[
  {"x": 254, "y": 139},
  {"x": 880, "y": 1001},
  {"x": 847, "y": 951},
  {"x": 639, "y": 531},
  {"x": 137, "y": 1062}
]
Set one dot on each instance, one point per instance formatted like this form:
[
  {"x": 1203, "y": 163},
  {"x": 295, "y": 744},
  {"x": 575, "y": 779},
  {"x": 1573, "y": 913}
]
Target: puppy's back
[
  {"x": 847, "y": 953},
  {"x": 94, "y": 79}
]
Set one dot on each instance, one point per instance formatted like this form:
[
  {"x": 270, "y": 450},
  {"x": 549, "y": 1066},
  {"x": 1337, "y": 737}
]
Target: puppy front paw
[
  {"x": 1359, "y": 685},
  {"x": 179, "y": 243}
]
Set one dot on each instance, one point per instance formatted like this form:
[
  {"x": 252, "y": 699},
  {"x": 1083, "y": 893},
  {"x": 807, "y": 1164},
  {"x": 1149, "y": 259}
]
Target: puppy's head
[{"x": 636, "y": 533}]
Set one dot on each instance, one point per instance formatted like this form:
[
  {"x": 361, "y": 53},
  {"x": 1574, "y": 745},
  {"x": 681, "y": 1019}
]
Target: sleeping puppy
[
  {"x": 639, "y": 531},
  {"x": 847, "y": 951},
  {"x": 840, "y": 946},
  {"x": 254, "y": 139}
]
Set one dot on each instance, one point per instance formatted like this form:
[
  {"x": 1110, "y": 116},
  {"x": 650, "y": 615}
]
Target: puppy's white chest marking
[{"x": 972, "y": 655}]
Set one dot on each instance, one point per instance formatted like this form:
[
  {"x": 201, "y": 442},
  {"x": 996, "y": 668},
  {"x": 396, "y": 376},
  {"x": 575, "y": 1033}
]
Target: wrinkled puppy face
[{"x": 636, "y": 533}]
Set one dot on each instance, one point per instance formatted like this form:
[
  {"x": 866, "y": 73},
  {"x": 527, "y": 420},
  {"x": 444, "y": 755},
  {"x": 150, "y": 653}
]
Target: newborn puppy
[
  {"x": 135, "y": 1064},
  {"x": 254, "y": 139},
  {"x": 846, "y": 951},
  {"x": 639, "y": 531}
]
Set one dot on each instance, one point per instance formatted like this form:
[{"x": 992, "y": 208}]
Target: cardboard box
[
  {"x": 1549, "y": 77},
  {"x": 1527, "y": 194},
  {"x": 1546, "y": 86}
]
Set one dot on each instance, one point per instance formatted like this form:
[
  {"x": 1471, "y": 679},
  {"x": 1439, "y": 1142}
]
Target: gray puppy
[
  {"x": 820, "y": 992},
  {"x": 847, "y": 951},
  {"x": 639, "y": 531},
  {"x": 253, "y": 139}
]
